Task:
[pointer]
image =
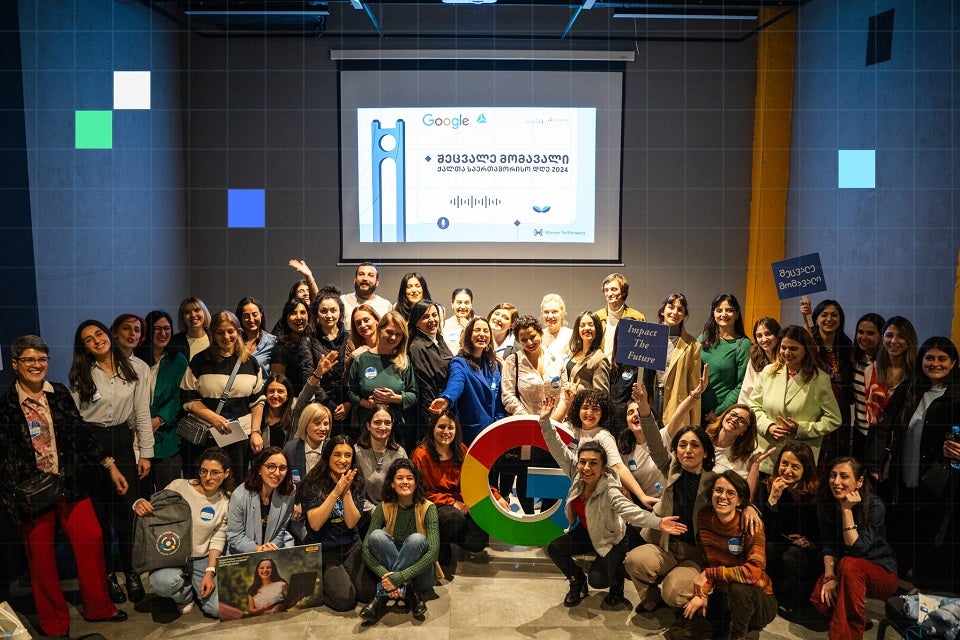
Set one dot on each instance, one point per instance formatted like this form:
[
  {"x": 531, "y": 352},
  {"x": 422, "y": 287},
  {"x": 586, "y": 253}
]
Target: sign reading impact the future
[
  {"x": 799, "y": 276},
  {"x": 642, "y": 344}
]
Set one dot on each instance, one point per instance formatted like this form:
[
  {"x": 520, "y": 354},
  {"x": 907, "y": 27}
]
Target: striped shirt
[{"x": 719, "y": 540}]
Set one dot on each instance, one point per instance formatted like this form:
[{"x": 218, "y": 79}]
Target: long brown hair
[
  {"x": 758, "y": 357},
  {"x": 809, "y": 483},
  {"x": 808, "y": 365},
  {"x": 745, "y": 444}
]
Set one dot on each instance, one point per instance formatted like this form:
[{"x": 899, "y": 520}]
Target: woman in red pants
[
  {"x": 41, "y": 430},
  {"x": 857, "y": 560}
]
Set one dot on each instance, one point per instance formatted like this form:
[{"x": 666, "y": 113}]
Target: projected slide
[{"x": 476, "y": 174}]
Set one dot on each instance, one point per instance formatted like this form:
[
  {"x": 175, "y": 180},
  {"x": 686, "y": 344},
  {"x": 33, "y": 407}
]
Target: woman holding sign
[{"x": 669, "y": 388}]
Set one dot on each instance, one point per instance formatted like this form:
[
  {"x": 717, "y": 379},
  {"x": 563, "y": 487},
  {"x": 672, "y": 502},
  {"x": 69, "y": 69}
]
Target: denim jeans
[
  {"x": 182, "y": 585},
  {"x": 385, "y": 550}
]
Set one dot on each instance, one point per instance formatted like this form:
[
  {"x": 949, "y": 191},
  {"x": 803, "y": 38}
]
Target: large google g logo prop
[{"x": 525, "y": 530}]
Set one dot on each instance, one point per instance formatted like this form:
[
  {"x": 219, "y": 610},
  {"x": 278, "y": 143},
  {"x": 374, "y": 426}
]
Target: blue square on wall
[
  {"x": 856, "y": 168},
  {"x": 246, "y": 208}
]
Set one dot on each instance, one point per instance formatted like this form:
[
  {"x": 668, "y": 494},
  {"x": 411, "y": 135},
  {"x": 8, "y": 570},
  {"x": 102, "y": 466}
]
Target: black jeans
[
  {"x": 457, "y": 528},
  {"x": 114, "y": 511},
  {"x": 577, "y": 541}
]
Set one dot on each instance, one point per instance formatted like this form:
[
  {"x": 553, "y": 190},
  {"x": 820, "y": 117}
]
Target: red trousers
[
  {"x": 857, "y": 579},
  {"x": 79, "y": 523}
]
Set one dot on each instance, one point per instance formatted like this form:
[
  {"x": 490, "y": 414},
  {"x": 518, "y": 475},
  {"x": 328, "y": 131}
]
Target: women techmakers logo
[{"x": 168, "y": 543}]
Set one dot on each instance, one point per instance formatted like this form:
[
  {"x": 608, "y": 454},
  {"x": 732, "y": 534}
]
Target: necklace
[{"x": 378, "y": 458}]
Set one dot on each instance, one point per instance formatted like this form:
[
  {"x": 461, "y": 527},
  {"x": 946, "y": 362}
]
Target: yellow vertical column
[{"x": 776, "y": 46}]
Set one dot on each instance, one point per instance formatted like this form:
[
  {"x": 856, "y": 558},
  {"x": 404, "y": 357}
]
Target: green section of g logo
[{"x": 494, "y": 441}]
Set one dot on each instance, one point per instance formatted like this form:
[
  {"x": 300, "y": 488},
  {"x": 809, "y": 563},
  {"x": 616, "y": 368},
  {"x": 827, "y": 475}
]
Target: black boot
[
  {"x": 116, "y": 592},
  {"x": 417, "y": 606},
  {"x": 375, "y": 609},
  {"x": 134, "y": 587},
  {"x": 578, "y": 590}
]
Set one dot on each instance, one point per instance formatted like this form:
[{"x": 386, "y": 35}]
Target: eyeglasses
[
  {"x": 32, "y": 361},
  {"x": 721, "y": 492},
  {"x": 738, "y": 419},
  {"x": 273, "y": 468},
  {"x": 163, "y": 329},
  {"x": 213, "y": 473}
]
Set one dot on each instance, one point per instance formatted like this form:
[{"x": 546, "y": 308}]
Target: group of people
[{"x": 797, "y": 467}]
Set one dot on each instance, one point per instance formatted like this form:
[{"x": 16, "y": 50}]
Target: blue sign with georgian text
[
  {"x": 642, "y": 344},
  {"x": 799, "y": 276}
]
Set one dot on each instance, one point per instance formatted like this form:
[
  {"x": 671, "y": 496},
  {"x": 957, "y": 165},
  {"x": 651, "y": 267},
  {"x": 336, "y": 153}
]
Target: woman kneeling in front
[{"x": 596, "y": 509}]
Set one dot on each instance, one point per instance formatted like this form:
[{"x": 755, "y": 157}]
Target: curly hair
[{"x": 589, "y": 396}]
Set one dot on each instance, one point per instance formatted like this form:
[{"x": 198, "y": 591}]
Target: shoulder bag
[{"x": 193, "y": 429}]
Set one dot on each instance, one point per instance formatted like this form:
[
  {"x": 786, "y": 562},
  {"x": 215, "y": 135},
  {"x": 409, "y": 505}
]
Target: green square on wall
[{"x": 94, "y": 129}]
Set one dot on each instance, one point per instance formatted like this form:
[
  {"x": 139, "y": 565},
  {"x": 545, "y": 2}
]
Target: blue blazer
[
  {"x": 475, "y": 395},
  {"x": 244, "y": 531}
]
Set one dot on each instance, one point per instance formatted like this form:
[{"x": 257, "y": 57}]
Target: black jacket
[
  {"x": 887, "y": 439},
  {"x": 78, "y": 451}
]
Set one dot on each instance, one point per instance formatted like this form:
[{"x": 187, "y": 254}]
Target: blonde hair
[
  {"x": 227, "y": 317},
  {"x": 554, "y": 297},
  {"x": 400, "y": 359},
  {"x": 309, "y": 413}
]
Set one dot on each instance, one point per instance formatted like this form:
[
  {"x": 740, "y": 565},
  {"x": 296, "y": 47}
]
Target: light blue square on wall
[
  {"x": 856, "y": 168},
  {"x": 246, "y": 208}
]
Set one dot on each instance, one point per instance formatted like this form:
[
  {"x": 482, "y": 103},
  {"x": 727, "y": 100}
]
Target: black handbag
[
  {"x": 39, "y": 493},
  {"x": 193, "y": 429}
]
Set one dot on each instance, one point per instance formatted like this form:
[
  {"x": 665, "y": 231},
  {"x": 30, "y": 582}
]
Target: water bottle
[{"x": 955, "y": 436}]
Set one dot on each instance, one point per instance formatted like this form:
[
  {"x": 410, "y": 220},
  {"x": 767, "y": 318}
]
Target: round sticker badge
[{"x": 370, "y": 373}]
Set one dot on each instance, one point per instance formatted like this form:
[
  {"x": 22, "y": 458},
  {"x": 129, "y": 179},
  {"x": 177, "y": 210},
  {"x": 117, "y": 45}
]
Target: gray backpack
[{"x": 163, "y": 538}]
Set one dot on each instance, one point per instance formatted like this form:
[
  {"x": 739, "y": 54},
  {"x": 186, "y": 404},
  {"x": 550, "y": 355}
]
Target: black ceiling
[{"x": 677, "y": 20}]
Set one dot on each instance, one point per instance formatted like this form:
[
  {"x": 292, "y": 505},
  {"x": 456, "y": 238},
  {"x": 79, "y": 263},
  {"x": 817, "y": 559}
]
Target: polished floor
[{"x": 504, "y": 594}]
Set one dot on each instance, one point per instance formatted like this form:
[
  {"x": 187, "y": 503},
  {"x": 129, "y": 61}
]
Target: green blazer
[{"x": 812, "y": 404}]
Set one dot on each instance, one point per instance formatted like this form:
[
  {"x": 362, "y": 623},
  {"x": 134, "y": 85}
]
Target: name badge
[
  {"x": 34, "y": 428},
  {"x": 370, "y": 373},
  {"x": 734, "y": 546}
]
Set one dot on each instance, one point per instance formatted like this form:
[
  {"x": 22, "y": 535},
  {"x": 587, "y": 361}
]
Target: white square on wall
[{"x": 131, "y": 89}]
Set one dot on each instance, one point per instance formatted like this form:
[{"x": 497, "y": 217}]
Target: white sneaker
[{"x": 185, "y": 608}]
